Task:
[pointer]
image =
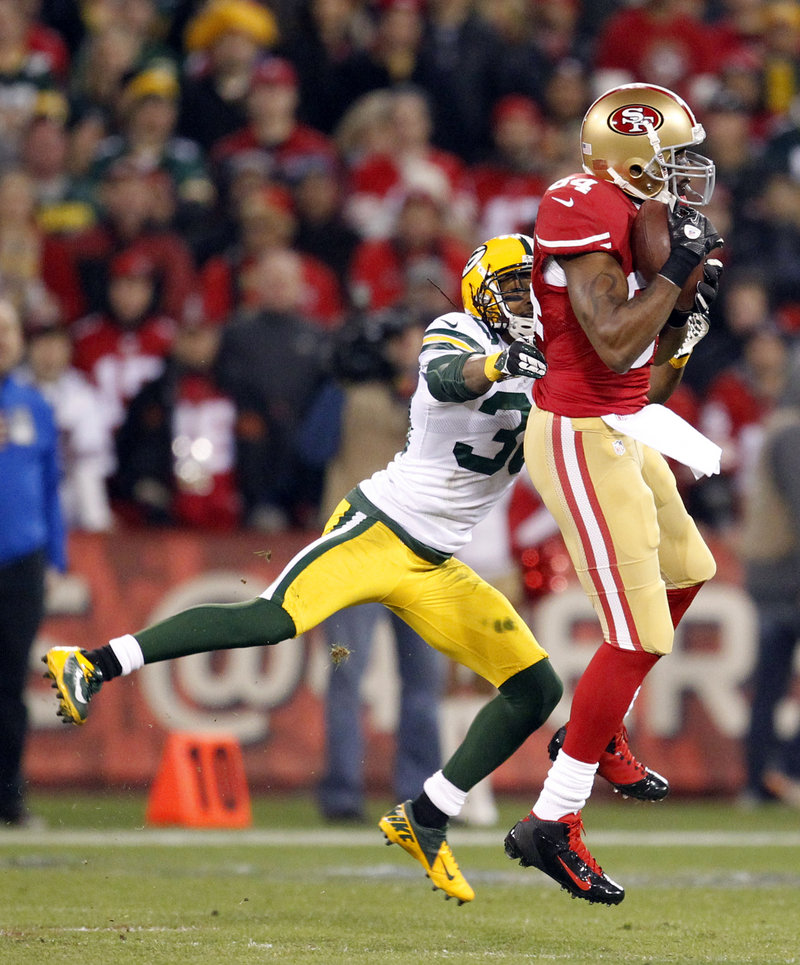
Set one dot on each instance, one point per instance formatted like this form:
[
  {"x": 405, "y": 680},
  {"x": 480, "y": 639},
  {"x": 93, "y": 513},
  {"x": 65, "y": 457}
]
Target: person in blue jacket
[{"x": 32, "y": 539}]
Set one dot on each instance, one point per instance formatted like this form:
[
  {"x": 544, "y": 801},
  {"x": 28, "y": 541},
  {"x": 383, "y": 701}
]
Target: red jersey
[
  {"x": 580, "y": 214},
  {"x": 670, "y": 51},
  {"x": 118, "y": 361},
  {"x": 378, "y": 185},
  {"x": 379, "y": 271},
  {"x": 205, "y": 492},
  {"x": 286, "y": 161},
  {"x": 733, "y": 415},
  {"x": 507, "y": 200},
  {"x": 226, "y": 285}
]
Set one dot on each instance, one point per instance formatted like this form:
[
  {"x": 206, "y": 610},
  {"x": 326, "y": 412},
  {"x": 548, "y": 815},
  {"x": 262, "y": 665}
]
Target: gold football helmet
[
  {"x": 638, "y": 136},
  {"x": 484, "y": 283}
]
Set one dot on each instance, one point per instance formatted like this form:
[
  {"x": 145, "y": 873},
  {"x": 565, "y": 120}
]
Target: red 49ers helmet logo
[{"x": 635, "y": 119}]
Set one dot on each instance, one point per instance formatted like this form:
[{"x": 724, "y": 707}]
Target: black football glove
[
  {"x": 691, "y": 230},
  {"x": 692, "y": 237},
  {"x": 521, "y": 358},
  {"x": 708, "y": 288}
]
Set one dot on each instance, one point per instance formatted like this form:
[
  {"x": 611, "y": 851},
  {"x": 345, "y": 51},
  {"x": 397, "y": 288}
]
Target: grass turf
[{"x": 705, "y": 882}]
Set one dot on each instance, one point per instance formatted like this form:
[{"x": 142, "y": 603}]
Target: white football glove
[{"x": 696, "y": 331}]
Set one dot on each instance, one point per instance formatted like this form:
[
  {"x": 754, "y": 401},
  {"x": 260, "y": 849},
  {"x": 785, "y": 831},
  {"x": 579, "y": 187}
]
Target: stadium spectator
[
  {"x": 322, "y": 231},
  {"x": 125, "y": 345},
  {"x": 112, "y": 49},
  {"x": 176, "y": 448},
  {"x": 523, "y": 67},
  {"x": 224, "y": 41},
  {"x": 739, "y": 75},
  {"x": 738, "y": 27},
  {"x": 64, "y": 203},
  {"x": 266, "y": 221},
  {"x": 510, "y": 183},
  {"x": 273, "y": 133},
  {"x": 145, "y": 21},
  {"x": 782, "y": 148},
  {"x": 76, "y": 270},
  {"x": 770, "y": 548},
  {"x": 767, "y": 239},
  {"x": 407, "y": 161},
  {"x": 32, "y": 541},
  {"x": 566, "y": 93},
  {"x": 326, "y": 47},
  {"x": 46, "y": 41},
  {"x": 147, "y": 115},
  {"x": 744, "y": 308},
  {"x": 381, "y": 269},
  {"x": 22, "y": 248},
  {"x": 272, "y": 362},
  {"x": 672, "y": 48},
  {"x": 780, "y": 57},
  {"x": 366, "y": 412},
  {"x": 84, "y": 430},
  {"x": 733, "y": 412},
  {"x": 737, "y": 154},
  {"x": 460, "y": 60},
  {"x": 388, "y": 57},
  {"x": 366, "y": 129},
  {"x": 393, "y": 56},
  {"x": 559, "y": 32},
  {"x": 23, "y": 74}
]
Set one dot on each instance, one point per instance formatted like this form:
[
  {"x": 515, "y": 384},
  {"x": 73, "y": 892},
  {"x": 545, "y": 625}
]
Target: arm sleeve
[{"x": 445, "y": 377}]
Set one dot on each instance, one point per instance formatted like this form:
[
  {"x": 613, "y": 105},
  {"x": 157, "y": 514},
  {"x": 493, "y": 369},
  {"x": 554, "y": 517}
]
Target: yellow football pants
[{"x": 358, "y": 559}]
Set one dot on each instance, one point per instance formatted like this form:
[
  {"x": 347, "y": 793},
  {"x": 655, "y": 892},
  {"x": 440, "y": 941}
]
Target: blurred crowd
[{"x": 213, "y": 215}]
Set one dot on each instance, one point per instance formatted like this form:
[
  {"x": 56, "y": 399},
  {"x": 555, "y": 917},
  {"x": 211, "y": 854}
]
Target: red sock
[
  {"x": 679, "y": 598},
  {"x": 602, "y": 697}
]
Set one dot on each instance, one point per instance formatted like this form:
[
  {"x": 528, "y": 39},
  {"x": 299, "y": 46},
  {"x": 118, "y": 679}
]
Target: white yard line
[{"x": 333, "y": 837}]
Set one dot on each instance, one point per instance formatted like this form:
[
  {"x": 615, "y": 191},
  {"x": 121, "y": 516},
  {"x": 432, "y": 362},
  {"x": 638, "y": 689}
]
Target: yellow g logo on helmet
[{"x": 492, "y": 262}]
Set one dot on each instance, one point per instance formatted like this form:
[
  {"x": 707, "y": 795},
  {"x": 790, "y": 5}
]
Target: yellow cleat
[
  {"x": 75, "y": 678},
  {"x": 429, "y": 846}
]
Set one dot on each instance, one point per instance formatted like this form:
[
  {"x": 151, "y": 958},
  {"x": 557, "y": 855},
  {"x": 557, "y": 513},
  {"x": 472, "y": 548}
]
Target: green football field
[{"x": 705, "y": 882}]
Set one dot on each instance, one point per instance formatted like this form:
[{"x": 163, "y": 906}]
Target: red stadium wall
[{"x": 688, "y": 721}]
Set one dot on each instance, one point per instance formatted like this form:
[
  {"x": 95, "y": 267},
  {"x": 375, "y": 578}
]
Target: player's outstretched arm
[{"x": 459, "y": 378}]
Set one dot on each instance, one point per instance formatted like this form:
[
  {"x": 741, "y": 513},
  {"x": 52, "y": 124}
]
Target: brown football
[{"x": 650, "y": 246}]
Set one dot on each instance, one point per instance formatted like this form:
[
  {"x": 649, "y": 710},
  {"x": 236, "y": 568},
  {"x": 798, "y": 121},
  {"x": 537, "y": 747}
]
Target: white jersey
[{"x": 460, "y": 457}]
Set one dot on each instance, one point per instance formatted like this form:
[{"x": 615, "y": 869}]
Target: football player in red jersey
[{"x": 595, "y": 438}]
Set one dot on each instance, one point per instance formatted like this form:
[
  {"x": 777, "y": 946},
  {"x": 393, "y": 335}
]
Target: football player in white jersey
[{"x": 391, "y": 540}]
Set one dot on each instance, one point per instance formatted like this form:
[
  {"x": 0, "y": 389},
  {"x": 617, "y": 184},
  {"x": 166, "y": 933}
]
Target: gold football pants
[{"x": 623, "y": 521}]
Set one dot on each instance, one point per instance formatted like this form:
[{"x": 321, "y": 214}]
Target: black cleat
[
  {"x": 619, "y": 767},
  {"x": 557, "y": 849}
]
